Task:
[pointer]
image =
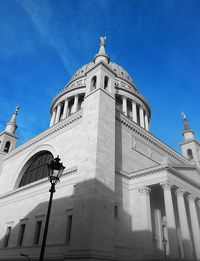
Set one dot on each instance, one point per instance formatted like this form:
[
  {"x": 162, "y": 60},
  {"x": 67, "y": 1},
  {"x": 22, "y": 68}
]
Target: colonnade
[
  {"x": 141, "y": 117},
  {"x": 65, "y": 108},
  {"x": 181, "y": 196}
]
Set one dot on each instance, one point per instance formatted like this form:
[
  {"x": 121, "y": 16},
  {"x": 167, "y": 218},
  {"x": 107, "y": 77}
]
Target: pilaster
[{"x": 93, "y": 236}]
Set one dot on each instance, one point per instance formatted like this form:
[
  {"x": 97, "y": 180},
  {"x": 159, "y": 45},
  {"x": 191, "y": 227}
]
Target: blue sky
[{"x": 43, "y": 43}]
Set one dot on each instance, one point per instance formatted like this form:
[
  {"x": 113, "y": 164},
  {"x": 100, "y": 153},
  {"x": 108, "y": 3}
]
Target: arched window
[
  {"x": 7, "y": 147},
  {"x": 106, "y": 80},
  {"x": 37, "y": 169},
  {"x": 93, "y": 83},
  {"x": 189, "y": 154}
]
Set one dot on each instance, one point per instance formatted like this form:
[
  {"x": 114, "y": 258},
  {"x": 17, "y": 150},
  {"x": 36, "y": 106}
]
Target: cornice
[
  {"x": 69, "y": 171},
  {"x": 9, "y": 134},
  {"x": 155, "y": 170},
  {"x": 189, "y": 141},
  {"x": 55, "y": 128},
  {"x": 134, "y": 127},
  {"x": 143, "y": 172}
]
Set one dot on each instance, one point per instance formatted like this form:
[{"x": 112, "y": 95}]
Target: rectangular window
[
  {"x": 74, "y": 191},
  {"x": 69, "y": 227},
  {"x": 21, "y": 234},
  {"x": 37, "y": 232},
  {"x": 7, "y": 236},
  {"x": 116, "y": 213}
]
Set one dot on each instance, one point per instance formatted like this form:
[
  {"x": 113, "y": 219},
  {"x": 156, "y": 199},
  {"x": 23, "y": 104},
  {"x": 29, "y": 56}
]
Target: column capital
[
  {"x": 166, "y": 185},
  {"x": 191, "y": 197},
  {"x": 144, "y": 190},
  {"x": 180, "y": 192}
]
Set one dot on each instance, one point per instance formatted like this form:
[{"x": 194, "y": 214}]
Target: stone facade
[{"x": 124, "y": 194}]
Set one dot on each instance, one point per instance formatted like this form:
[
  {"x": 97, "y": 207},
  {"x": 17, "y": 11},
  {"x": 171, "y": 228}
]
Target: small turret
[
  {"x": 188, "y": 134},
  {"x": 11, "y": 126},
  {"x": 7, "y": 137},
  {"x": 190, "y": 146},
  {"x": 102, "y": 55}
]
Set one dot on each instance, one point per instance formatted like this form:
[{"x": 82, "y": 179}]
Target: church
[{"x": 124, "y": 194}]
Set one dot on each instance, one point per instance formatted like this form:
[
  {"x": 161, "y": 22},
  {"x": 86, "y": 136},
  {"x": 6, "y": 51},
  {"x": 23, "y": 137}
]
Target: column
[
  {"x": 146, "y": 221},
  {"x": 124, "y": 105},
  {"x": 146, "y": 122},
  {"x": 185, "y": 234},
  {"x": 65, "y": 112},
  {"x": 75, "y": 106},
  {"x": 195, "y": 224},
  {"x": 53, "y": 118},
  {"x": 171, "y": 225},
  {"x": 158, "y": 229},
  {"x": 134, "y": 111},
  {"x": 141, "y": 117},
  {"x": 58, "y": 113}
]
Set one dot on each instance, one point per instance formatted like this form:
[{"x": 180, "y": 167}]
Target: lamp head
[{"x": 56, "y": 169}]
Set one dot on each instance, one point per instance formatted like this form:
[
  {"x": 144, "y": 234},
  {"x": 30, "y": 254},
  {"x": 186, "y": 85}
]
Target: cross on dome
[{"x": 103, "y": 40}]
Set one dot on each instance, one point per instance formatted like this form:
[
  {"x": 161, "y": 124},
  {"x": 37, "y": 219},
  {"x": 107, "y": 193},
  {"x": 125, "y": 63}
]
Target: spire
[
  {"x": 185, "y": 121},
  {"x": 102, "y": 55},
  {"x": 11, "y": 126},
  {"x": 188, "y": 134}
]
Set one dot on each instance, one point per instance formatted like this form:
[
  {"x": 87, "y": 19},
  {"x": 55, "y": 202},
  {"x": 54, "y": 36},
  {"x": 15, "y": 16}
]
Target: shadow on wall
[
  {"x": 127, "y": 239},
  {"x": 83, "y": 226}
]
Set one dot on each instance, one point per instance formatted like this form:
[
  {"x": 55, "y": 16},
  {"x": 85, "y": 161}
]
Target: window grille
[{"x": 37, "y": 169}]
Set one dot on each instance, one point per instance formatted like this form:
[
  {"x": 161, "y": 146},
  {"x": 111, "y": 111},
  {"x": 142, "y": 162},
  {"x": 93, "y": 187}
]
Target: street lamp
[{"x": 56, "y": 169}]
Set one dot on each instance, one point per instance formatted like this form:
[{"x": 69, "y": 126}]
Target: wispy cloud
[{"x": 43, "y": 18}]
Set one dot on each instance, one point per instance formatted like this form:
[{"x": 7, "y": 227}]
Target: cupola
[
  {"x": 190, "y": 146},
  {"x": 7, "y": 137}
]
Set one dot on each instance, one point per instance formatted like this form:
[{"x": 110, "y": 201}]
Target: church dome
[
  {"x": 117, "y": 69},
  {"x": 128, "y": 98}
]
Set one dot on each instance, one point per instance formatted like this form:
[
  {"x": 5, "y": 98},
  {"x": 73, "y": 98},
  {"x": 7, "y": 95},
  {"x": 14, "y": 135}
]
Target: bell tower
[
  {"x": 190, "y": 146},
  {"x": 8, "y": 137}
]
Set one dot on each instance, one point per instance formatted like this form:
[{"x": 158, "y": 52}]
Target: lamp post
[
  {"x": 165, "y": 248},
  {"x": 56, "y": 169}
]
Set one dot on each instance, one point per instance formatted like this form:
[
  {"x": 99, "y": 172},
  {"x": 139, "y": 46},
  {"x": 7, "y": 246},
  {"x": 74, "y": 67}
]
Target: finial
[
  {"x": 183, "y": 115},
  {"x": 102, "y": 55},
  {"x": 103, "y": 40},
  {"x": 186, "y": 125}
]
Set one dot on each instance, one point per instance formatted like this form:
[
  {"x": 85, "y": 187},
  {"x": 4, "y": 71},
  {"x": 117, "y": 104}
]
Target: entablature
[{"x": 148, "y": 137}]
